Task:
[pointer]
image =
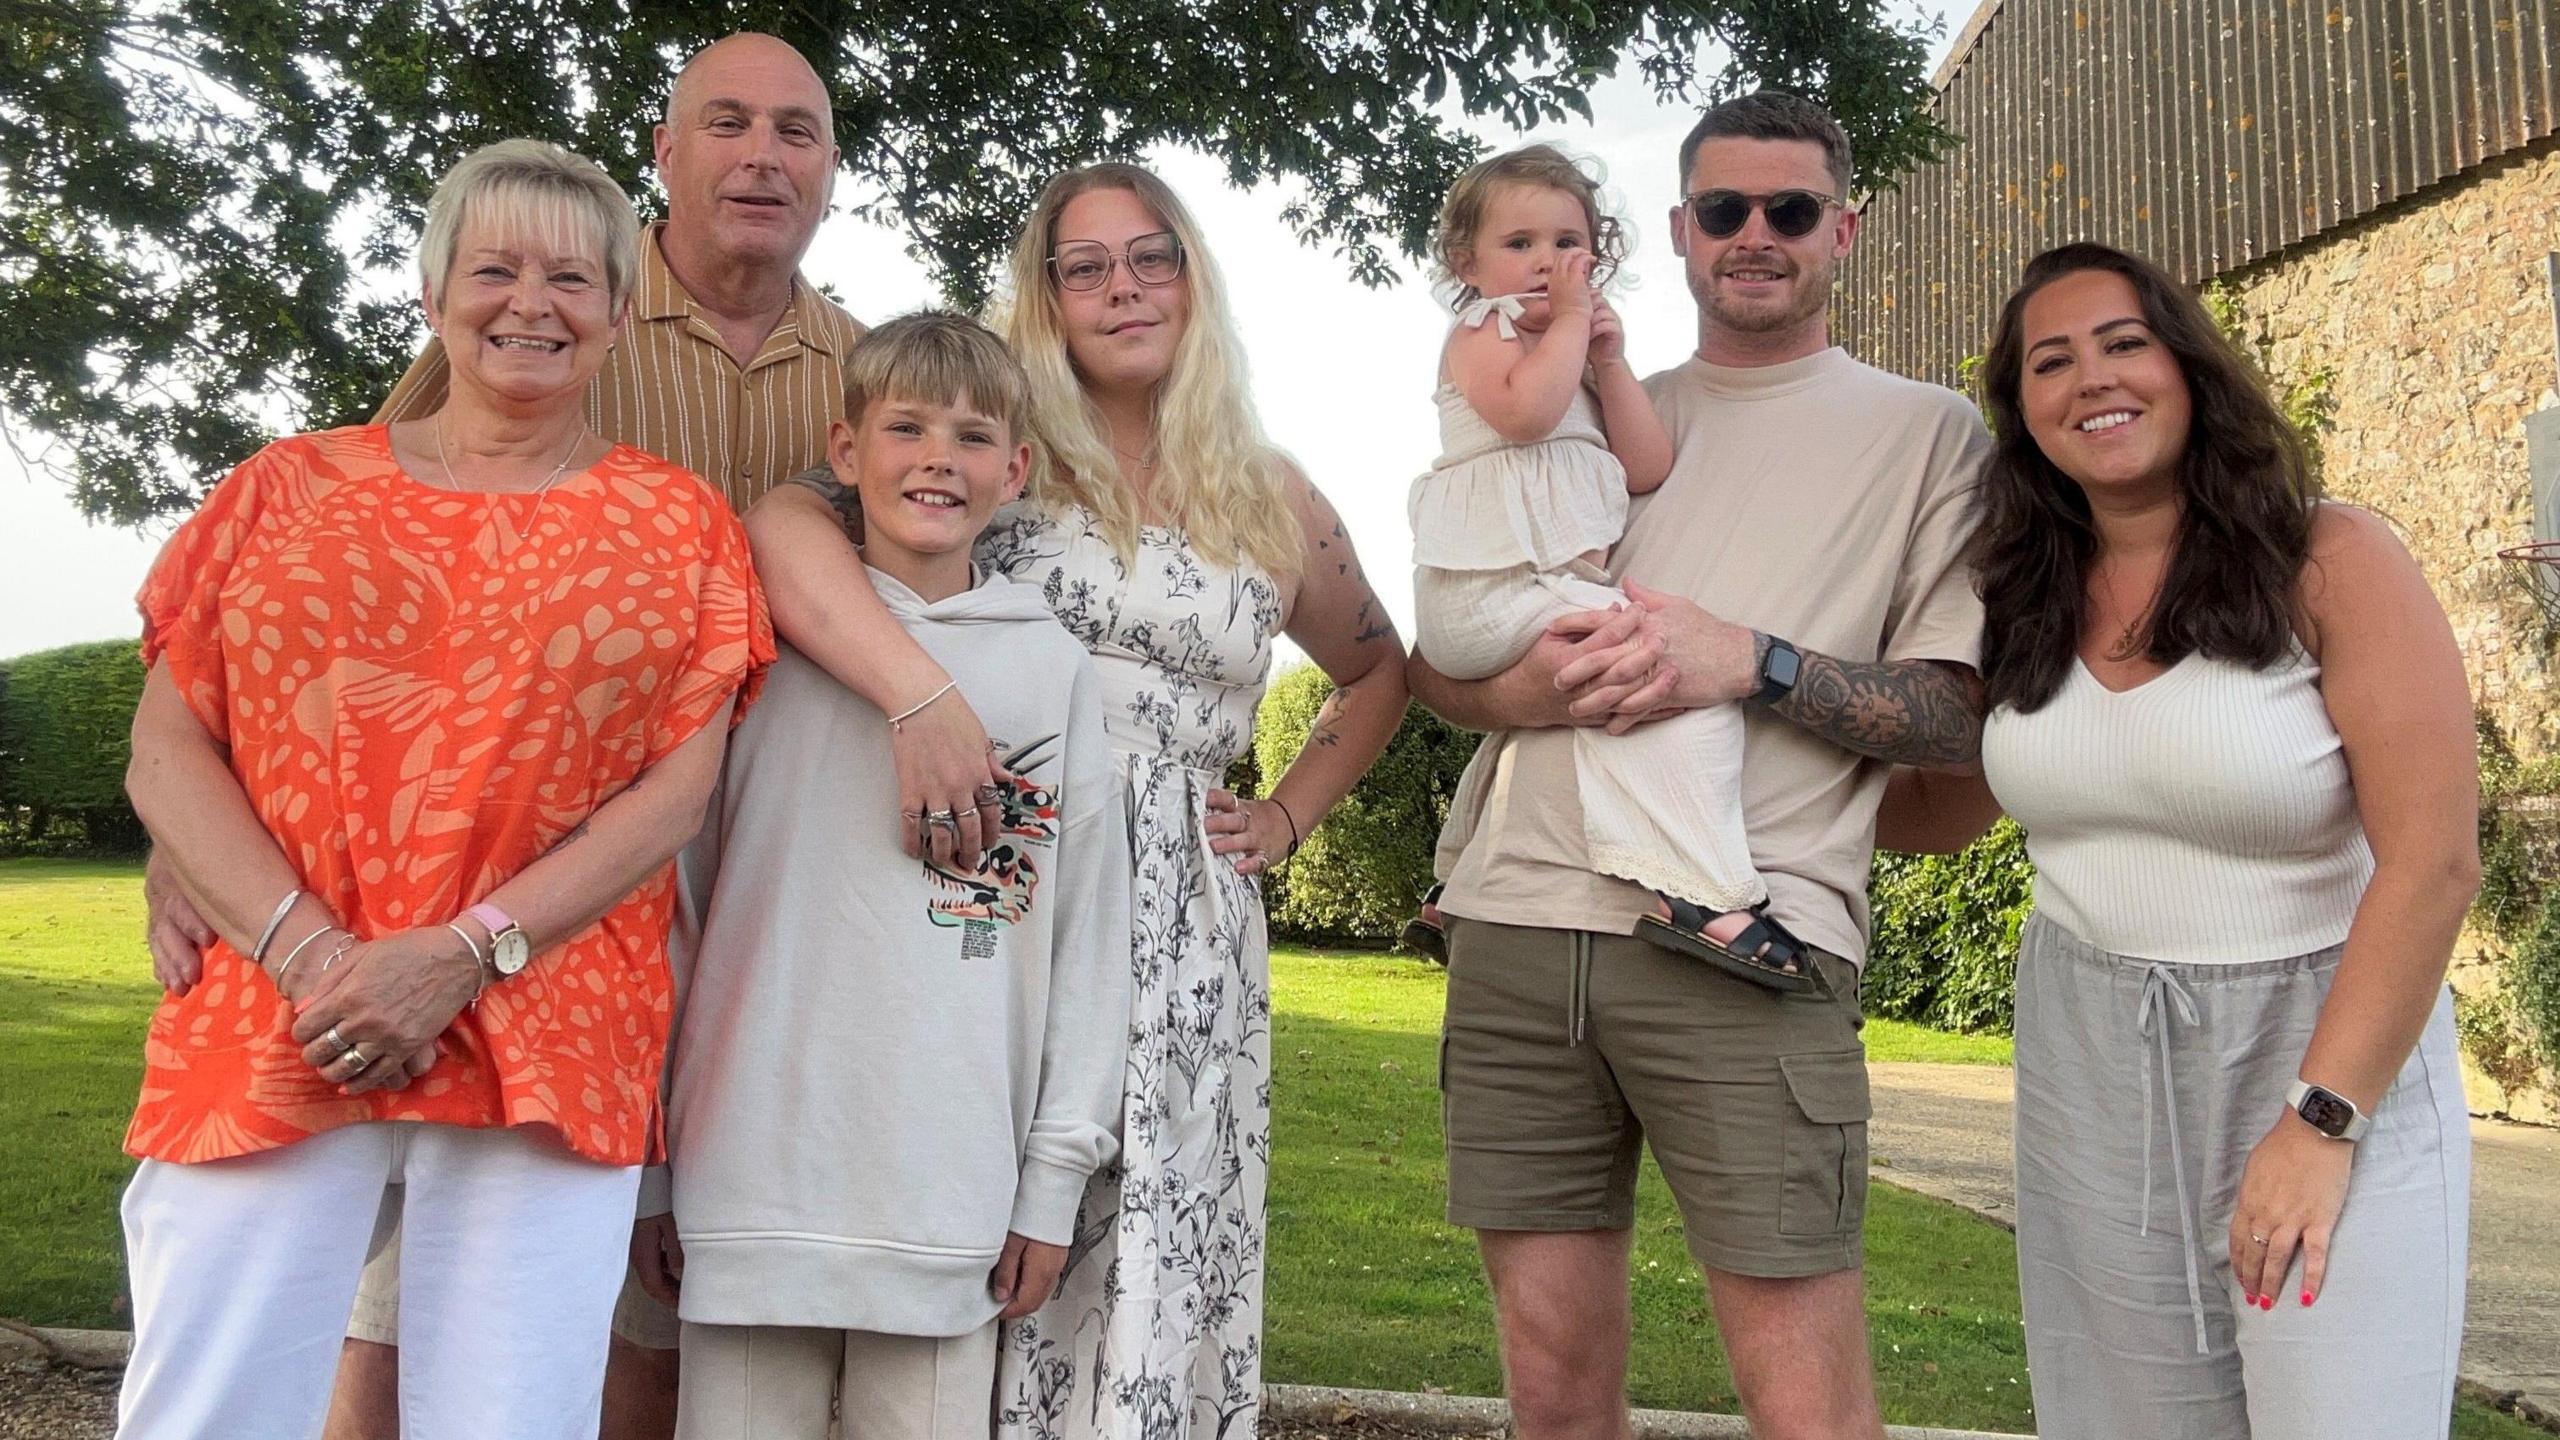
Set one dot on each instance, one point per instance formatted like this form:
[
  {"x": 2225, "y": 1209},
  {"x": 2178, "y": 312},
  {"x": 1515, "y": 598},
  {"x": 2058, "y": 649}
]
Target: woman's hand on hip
[
  {"x": 947, "y": 784},
  {"x": 371, "y": 1020},
  {"x": 1256, "y": 832},
  {"x": 2291, "y": 1194}
]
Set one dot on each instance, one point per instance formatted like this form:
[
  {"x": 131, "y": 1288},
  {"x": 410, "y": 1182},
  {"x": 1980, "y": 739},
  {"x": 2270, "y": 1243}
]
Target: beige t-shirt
[{"x": 1822, "y": 501}]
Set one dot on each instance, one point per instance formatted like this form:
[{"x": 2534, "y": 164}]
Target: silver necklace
[{"x": 453, "y": 482}]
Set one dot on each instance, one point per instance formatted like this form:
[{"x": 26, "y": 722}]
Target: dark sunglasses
[{"x": 1721, "y": 214}]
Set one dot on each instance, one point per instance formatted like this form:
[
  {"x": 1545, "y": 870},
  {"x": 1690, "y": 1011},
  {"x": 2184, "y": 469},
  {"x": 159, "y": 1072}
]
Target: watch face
[
  {"x": 512, "y": 951},
  {"x": 1783, "y": 665},
  {"x": 2327, "y": 1113}
]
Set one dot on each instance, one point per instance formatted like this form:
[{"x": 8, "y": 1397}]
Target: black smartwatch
[{"x": 1779, "y": 662}]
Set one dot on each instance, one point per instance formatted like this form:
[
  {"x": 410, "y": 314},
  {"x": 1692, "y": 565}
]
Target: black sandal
[
  {"x": 1765, "y": 952},
  {"x": 1423, "y": 934}
]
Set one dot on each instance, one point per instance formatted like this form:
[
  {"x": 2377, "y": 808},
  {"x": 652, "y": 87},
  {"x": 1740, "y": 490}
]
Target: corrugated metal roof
[{"x": 2206, "y": 134}]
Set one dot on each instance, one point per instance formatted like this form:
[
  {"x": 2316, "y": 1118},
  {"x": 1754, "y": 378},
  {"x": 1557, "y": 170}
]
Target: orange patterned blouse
[{"x": 421, "y": 699}]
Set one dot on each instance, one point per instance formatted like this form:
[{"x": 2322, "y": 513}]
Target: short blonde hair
[
  {"x": 1453, "y": 239},
  {"x": 938, "y": 357},
  {"x": 1219, "y": 481},
  {"x": 532, "y": 187}
]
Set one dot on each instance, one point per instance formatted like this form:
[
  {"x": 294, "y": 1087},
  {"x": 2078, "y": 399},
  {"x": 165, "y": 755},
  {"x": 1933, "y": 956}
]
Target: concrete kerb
[
  {"x": 81, "y": 1349},
  {"x": 1475, "y": 1415},
  {"x": 1302, "y": 1404}
]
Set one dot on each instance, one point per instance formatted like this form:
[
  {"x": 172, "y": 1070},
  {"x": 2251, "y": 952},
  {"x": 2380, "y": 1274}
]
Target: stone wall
[{"x": 2434, "y": 322}]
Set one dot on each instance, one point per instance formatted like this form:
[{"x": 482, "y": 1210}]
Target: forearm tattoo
[
  {"x": 840, "y": 497},
  {"x": 1327, "y": 731},
  {"x": 1906, "y": 712}
]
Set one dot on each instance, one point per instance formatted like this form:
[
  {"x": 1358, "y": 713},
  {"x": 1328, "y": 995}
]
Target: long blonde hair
[{"x": 1217, "y": 478}]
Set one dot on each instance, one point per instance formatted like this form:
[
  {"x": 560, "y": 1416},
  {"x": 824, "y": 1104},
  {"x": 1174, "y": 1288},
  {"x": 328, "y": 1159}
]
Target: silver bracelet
[
  {"x": 479, "y": 962},
  {"x": 296, "y": 952},
  {"x": 337, "y": 952},
  {"x": 275, "y": 922},
  {"x": 911, "y": 712}
]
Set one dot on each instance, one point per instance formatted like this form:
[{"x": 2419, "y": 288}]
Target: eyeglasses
[
  {"x": 1085, "y": 265},
  {"x": 1721, "y": 214}
]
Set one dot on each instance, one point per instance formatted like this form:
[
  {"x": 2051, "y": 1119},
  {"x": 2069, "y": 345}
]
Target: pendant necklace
[{"x": 453, "y": 482}]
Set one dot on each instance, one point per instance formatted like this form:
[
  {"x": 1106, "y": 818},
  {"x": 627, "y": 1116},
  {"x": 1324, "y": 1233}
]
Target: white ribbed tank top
[{"x": 2203, "y": 817}]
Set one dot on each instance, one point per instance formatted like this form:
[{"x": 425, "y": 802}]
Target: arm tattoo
[
  {"x": 1327, "y": 731},
  {"x": 1373, "y": 626},
  {"x": 840, "y": 497},
  {"x": 1908, "y": 712}
]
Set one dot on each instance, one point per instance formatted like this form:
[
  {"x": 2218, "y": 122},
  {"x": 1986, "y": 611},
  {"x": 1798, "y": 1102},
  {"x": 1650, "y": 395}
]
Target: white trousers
[
  {"x": 788, "y": 1382},
  {"x": 244, "y": 1271}
]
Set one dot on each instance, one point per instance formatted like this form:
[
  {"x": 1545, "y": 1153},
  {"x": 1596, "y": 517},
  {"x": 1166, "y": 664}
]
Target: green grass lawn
[
  {"x": 1368, "y": 1288},
  {"x": 75, "y": 996}
]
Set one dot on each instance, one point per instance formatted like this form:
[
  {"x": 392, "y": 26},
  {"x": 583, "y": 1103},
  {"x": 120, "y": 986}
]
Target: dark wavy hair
[{"x": 2244, "y": 531}]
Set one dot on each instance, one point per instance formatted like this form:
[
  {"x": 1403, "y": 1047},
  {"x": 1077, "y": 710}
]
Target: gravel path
[{"x": 40, "y": 1401}]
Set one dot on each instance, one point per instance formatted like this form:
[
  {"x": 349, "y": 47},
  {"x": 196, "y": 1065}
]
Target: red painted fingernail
[
  {"x": 2306, "y": 1297},
  {"x": 2267, "y": 1304}
]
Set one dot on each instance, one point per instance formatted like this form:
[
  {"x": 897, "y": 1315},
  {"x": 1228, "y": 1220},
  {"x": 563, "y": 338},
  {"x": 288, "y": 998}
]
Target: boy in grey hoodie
[{"x": 892, "y": 1079}]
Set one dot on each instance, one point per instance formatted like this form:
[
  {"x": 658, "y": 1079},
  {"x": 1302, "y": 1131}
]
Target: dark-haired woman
[{"x": 2234, "y": 723}]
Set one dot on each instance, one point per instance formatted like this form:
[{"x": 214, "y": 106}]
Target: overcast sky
[{"x": 1343, "y": 374}]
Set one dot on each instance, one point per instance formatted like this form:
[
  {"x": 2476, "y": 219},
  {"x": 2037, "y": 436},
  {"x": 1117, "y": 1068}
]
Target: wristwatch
[
  {"x": 508, "y": 947},
  {"x": 1778, "y": 666},
  {"x": 2327, "y": 1111}
]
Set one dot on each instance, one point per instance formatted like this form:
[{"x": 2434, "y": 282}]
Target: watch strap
[{"x": 491, "y": 918}]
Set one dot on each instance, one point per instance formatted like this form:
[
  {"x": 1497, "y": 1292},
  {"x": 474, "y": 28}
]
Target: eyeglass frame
[
  {"x": 1114, "y": 259},
  {"x": 1758, "y": 204}
]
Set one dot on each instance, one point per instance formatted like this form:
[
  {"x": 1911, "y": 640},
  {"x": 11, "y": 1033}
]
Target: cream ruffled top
[{"x": 1488, "y": 504}]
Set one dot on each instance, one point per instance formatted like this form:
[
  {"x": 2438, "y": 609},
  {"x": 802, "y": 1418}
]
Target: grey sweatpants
[{"x": 2124, "y": 1340}]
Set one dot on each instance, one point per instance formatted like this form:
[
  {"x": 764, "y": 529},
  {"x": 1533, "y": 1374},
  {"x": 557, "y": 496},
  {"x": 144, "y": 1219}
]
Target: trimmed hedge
[
  {"x": 1361, "y": 875},
  {"x": 1945, "y": 948},
  {"x": 66, "y": 723}
]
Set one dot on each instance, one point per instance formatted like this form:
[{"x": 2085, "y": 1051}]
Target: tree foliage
[
  {"x": 1361, "y": 875},
  {"x": 193, "y": 192}
]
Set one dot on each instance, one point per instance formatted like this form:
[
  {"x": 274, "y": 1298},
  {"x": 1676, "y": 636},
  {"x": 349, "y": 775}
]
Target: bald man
[{"x": 732, "y": 366}]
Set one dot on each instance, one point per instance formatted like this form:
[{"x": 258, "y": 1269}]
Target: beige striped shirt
[{"x": 670, "y": 389}]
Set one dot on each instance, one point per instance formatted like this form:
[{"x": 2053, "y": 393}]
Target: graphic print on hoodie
[{"x": 1001, "y": 890}]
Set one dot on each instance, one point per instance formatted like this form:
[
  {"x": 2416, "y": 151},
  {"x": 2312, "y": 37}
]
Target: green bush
[
  {"x": 66, "y": 718},
  {"x": 1945, "y": 948},
  {"x": 2515, "y": 1032},
  {"x": 1361, "y": 875}
]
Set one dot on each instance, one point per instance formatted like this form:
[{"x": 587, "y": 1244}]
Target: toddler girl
[{"x": 1545, "y": 432}]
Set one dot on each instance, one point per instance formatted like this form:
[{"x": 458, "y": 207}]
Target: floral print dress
[{"x": 1156, "y": 1331}]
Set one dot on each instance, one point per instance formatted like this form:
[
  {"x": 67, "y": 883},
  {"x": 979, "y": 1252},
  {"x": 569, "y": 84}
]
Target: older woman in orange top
[{"x": 430, "y": 707}]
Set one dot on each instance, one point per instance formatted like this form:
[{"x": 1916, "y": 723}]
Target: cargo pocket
[{"x": 1826, "y": 1144}]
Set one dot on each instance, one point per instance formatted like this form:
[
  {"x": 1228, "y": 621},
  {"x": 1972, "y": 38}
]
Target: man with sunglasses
[{"x": 1804, "y": 557}]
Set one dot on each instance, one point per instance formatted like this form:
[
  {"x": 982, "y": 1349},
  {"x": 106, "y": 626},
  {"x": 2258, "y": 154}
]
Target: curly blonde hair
[{"x": 1453, "y": 238}]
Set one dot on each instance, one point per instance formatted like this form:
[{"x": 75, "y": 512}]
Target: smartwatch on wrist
[
  {"x": 2327, "y": 1111},
  {"x": 1779, "y": 664},
  {"x": 509, "y": 950}
]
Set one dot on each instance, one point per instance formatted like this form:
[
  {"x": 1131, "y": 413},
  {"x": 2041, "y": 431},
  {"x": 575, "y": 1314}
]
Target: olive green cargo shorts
[{"x": 1563, "y": 1052}]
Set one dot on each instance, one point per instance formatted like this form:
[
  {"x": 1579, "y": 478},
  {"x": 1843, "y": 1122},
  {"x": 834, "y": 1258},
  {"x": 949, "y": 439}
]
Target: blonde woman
[
  {"x": 1175, "y": 542},
  {"x": 430, "y": 707}
]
